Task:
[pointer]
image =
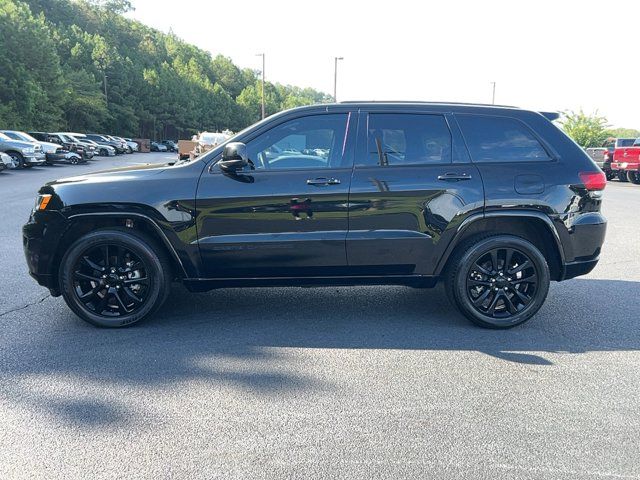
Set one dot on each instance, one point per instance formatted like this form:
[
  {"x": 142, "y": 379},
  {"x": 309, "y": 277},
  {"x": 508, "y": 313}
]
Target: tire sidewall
[
  {"x": 480, "y": 248},
  {"x": 154, "y": 271}
]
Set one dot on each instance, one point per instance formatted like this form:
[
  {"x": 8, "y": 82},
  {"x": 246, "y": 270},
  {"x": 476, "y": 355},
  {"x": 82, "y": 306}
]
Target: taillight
[{"x": 593, "y": 180}]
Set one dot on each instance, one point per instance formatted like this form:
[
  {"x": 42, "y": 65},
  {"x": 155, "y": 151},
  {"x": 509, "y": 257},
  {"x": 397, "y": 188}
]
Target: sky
[{"x": 543, "y": 55}]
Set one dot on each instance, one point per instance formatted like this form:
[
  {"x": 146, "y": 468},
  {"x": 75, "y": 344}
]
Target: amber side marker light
[{"x": 43, "y": 201}]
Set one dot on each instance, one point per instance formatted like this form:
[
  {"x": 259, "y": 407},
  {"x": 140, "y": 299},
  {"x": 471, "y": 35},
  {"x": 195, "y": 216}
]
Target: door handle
[
  {"x": 454, "y": 177},
  {"x": 323, "y": 181}
]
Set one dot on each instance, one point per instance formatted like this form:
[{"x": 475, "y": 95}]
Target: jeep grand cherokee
[{"x": 494, "y": 201}]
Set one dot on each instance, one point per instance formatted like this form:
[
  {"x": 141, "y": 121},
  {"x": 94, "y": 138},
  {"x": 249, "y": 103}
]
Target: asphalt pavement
[{"x": 366, "y": 382}]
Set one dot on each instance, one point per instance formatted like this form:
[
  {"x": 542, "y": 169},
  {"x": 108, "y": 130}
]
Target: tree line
[{"x": 57, "y": 55}]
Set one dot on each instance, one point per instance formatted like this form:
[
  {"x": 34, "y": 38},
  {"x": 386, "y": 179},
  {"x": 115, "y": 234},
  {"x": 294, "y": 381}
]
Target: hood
[
  {"x": 16, "y": 144},
  {"x": 114, "y": 175},
  {"x": 49, "y": 147}
]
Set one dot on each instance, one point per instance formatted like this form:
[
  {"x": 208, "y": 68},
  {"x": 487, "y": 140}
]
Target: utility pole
[
  {"x": 493, "y": 96},
  {"x": 105, "y": 88},
  {"x": 262, "y": 55},
  {"x": 335, "y": 77}
]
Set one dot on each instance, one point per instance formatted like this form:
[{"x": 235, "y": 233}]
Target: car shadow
[{"x": 242, "y": 338}]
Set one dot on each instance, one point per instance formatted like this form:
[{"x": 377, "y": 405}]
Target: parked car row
[
  {"x": 27, "y": 149},
  {"x": 619, "y": 159}
]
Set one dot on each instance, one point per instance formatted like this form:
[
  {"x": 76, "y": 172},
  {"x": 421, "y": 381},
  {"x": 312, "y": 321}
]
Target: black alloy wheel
[
  {"x": 113, "y": 278},
  {"x": 500, "y": 281}
]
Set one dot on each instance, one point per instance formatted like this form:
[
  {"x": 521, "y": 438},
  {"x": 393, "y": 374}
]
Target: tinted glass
[
  {"x": 499, "y": 139},
  {"x": 406, "y": 139},
  {"x": 625, "y": 142},
  {"x": 309, "y": 142},
  {"x": 12, "y": 135}
]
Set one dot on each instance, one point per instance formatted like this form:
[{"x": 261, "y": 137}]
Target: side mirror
[{"x": 234, "y": 157}]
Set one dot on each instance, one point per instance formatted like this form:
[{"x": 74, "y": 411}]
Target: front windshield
[{"x": 26, "y": 137}]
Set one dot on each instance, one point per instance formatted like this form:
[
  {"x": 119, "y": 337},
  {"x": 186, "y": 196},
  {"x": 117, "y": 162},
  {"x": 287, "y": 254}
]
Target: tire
[
  {"x": 609, "y": 174},
  {"x": 475, "y": 284},
  {"x": 622, "y": 175},
  {"x": 18, "y": 159},
  {"x": 103, "y": 152},
  {"x": 129, "y": 150},
  {"x": 634, "y": 177},
  {"x": 112, "y": 297}
]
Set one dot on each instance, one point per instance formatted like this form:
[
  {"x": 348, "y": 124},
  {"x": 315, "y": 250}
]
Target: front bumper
[
  {"x": 35, "y": 159},
  {"x": 40, "y": 239}
]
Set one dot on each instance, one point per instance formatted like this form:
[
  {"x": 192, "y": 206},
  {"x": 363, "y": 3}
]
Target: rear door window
[
  {"x": 407, "y": 139},
  {"x": 500, "y": 139}
]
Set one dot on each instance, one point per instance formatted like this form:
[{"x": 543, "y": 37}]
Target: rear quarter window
[{"x": 500, "y": 139}]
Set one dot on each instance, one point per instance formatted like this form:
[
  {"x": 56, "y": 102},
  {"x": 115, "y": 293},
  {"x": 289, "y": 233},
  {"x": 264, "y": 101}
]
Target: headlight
[{"x": 42, "y": 201}]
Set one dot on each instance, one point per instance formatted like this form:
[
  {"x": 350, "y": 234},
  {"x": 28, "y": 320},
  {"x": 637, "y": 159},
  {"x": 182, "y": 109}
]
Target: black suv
[{"x": 494, "y": 201}]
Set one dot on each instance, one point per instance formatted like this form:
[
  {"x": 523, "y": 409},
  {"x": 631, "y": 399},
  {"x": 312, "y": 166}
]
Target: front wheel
[
  {"x": 18, "y": 159},
  {"x": 114, "y": 278},
  {"x": 499, "y": 281}
]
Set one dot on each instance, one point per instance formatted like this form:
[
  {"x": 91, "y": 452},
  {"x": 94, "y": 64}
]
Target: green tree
[
  {"x": 54, "y": 55},
  {"x": 586, "y": 130},
  {"x": 623, "y": 133}
]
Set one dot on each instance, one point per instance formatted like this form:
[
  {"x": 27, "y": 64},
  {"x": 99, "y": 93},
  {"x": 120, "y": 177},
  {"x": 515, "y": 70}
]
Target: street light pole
[
  {"x": 106, "y": 101},
  {"x": 262, "y": 55},
  {"x": 493, "y": 96},
  {"x": 335, "y": 77}
]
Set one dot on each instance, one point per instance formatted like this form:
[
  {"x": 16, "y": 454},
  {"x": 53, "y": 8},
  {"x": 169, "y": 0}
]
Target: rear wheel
[
  {"x": 634, "y": 177},
  {"x": 499, "y": 281},
  {"x": 114, "y": 278},
  {"x": 622, "y": 175}
]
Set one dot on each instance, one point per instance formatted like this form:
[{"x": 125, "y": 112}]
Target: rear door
[{"x": 412, "y": 186}]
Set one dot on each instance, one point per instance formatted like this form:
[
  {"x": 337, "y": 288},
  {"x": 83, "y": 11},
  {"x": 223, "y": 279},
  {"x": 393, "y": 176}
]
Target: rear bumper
[
  {"x": 582, "y": 244},
  {"x": 627, "y": 166},
  {"x": 575, "y": 269}
]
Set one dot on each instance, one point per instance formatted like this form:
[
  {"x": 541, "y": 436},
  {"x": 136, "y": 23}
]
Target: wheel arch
[
  {"x": 535, "y": 227},
  {"x": 83, "y": 223}
]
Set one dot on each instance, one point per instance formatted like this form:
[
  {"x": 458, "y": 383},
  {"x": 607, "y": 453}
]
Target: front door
[
  {"x": 412, "y": 186},
  {"x": 287, "y": 215}
]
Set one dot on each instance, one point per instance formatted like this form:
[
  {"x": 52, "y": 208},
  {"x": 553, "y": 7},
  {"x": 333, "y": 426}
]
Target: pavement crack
[{"x": 36, "y": 302}]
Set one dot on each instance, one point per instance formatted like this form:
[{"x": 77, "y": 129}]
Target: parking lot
[{"x": 326, "y": 382}]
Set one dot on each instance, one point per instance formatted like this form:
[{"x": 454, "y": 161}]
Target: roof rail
[{"x": 428, "y": 103}]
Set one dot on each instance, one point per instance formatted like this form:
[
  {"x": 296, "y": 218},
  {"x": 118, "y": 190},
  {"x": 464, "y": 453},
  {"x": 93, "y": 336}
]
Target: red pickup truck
[{"x": 626, "y": 162}]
